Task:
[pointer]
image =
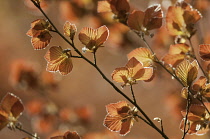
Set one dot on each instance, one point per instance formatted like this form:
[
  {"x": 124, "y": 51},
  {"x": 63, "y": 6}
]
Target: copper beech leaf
[
  {"x": 197, "y": 119},
  {"x": 120, "y": 8},
  {"x": 187, "y": 72},
  {"x": 180, "y": 19},
  {"x": 40, "y": 33},
  {"x": 145, "y": 21},
  {"x": 204, "y": 51},
  {"x": 199, "y": 84},
  {"x": 132, "y": 72},
  {"x": 41, "y": 40},
  {"x": 11, "y": 109},
  {"x": 69, "y": 29},
  {"x": 93, "y": 38},
  {"x": 120, "y": 117},
  {"x": 59, "y": 60},
  {"x": 143, "y": 55},
  {"x": 176, "y": 54},
  {"x": 184, "y": 92}
]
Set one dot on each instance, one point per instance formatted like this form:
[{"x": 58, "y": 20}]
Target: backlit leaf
[
  {"x": 11, "y": 108},
  {"x": 143, "y": 55},
  {"x": 187, "y": 72},
  {"x": 145, "y": 21},
  {"x": 93, "y": 38},
  {"x": 204, "y": 51},
  {"x": 59, "y": 60}
]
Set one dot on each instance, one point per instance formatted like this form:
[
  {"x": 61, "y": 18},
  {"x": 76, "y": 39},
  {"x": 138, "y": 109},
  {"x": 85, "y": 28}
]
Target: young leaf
[
  {"x": 120, "y": 117},
  {"x": 180, "y": 19},
  {"x": 11, "y": 108},
  {"x": 69, "y": 29},
  {"x": 59, "y": 60},
  {"x": 132, "y": 72},
  {"x": 120, "y": 8},
  {"x": 187, "y": 72},
  {"x": 143, "y": 55},
  {"x": 145, "y": 21},
  {"x": 40, "y": 33},
  {"x": 204, "y": 51},
  {"x": 176, "y": 54},
  {"x": 93, "y": 38}
]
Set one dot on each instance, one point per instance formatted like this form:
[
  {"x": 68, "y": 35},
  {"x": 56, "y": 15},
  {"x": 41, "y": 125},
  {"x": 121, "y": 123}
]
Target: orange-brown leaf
[
  {"x": 120, "y": 75},
  {"x": 187, "y": 72},
  {"x": 41, "y": 40},
  {"x": 103, "y": 6},
  {"x": 93, "y": 38},
  {"x": 153, "y": 17},
  {"x": 69, "y": 29},
  {"x": 143, "y": 55},
  {"x": 59, "y": 60},
  {"x": 148, "y": 20},
  {"x": 112, "y": 109},
  {"x": 204, "y": 51}
]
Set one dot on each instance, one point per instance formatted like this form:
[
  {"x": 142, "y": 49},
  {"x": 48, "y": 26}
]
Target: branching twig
[
  {"x": 142, "y": 119},
  {"x": 148, "y": 120},
  {"x": 173, "y": 75},
  {"x": 186, "y": 116}
]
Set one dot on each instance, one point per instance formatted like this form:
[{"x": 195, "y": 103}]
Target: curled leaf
[
  {"x": 69, "y": 29},
  {"x": 180, "y": 19},
  {"x": 204, "y": 51},
  {"x": 187, "y": 72}
]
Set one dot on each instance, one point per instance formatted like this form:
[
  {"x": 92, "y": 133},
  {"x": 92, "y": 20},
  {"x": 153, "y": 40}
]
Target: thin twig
[
  {"x": 76, "y": 56},
  {"x": 161, "y": 124},
  {"x": 132, "y": 92},
  {"x": 186, "y": 116},
  {"x": 160, "y": 63},
  {"x": 30, "y": 134},
  {"x": 94, "y": 56},
  {"x": 142, "y": 119},
  {"x": 173, "y": 75}
]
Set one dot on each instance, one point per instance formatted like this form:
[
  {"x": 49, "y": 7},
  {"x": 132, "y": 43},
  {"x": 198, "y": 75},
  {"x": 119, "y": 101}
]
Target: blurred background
[{"x": 76, "y": 102}]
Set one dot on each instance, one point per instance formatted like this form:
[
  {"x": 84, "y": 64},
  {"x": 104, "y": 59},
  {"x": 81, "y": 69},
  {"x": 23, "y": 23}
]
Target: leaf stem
[
  {"x": 94, "y": 56},
  {"x": 142, "y": 119}
]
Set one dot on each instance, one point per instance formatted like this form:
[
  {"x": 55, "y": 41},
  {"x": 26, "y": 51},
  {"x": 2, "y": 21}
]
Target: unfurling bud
[{"x": 69, "y": 29}]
